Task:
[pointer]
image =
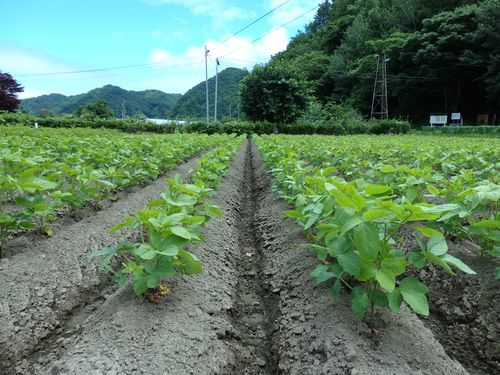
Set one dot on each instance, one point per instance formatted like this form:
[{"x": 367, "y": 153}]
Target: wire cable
[
  {"x": 270, "y": 32},
  {"x": 177, "y": 61},
  {"x": 254, "y": 22}
]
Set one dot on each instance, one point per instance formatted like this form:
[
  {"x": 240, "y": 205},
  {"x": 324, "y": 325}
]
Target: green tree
[
  {"x": 44, "y": 112},
  {"x": 99, "y": 108},
  {"x": 277, "y": 93},
  {"x": 454, "y": 51}
]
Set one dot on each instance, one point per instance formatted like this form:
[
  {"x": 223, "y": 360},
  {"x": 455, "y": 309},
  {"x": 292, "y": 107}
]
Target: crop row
[
  {"x": 45, "y": 171},
  {"x": 167, "y": 226},
  {"x": 354, "y": 196}
]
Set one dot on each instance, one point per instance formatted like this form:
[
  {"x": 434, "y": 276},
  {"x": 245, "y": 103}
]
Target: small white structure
[{"x": 162, "y": 121}]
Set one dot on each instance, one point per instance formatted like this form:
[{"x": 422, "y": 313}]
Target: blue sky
[{"x": 165, "y": 37}]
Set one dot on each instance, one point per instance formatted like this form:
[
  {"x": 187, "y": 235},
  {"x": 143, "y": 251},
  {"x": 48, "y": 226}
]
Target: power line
[
  {"x": 254, "y": 22},
  {"x": 177, "y": 61},
  {"x": 272, "y": 31},
  {"x": 146, "y": 69}
]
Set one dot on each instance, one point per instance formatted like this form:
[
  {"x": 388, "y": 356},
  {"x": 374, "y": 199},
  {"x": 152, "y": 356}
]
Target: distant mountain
[
  {"x": 192, "y": 103},
  {"x": 152, "y": 103}
]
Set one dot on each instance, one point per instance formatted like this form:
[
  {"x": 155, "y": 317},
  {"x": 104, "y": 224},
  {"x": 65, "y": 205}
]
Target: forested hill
[
  {"x": 151, "y": 103},
  {"x": 444, "y": 55},
  {"x": 192, "y": 103}
]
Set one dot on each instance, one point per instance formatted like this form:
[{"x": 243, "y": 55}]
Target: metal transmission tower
[
  {"x": 206, "y": 80},
  {"x": 379, "y": 102},
  {"x": 216, "y": 86},
  {"x": 124, "y": 111}
]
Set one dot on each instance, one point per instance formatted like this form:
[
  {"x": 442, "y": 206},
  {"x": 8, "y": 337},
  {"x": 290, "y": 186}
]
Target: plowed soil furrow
[{"x": 252, "y": 314}]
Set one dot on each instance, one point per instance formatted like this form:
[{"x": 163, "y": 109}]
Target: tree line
[{"x": 443, "y": 56}]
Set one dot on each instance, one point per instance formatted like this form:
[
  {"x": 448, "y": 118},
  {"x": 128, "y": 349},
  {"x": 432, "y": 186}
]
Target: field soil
[
  {"x": 254, "y": 310},
  {"x": 47, "y": 288},
  {"x": 464, "y": 311}
]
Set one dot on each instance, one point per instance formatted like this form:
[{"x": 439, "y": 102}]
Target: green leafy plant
[
  {"x": 354, "y": 202},
  {"x": 167, "y": 226},
  {"x": 49, "y": 171}
]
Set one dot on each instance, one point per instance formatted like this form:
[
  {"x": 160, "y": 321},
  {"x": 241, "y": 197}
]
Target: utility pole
[
  {"x": 216, "y": 86},
  {"x": 206, "y": 81},
  {"x": 380, "y": 108},
  {"x": 238, "y": 110},
  {"x": 124, "y": 112},
  {"x": 230, "y": 114}
]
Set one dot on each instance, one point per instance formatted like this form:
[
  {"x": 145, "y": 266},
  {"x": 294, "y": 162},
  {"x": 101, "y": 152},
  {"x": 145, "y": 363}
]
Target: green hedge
[
  {"x": 247, "y": 127},
  {"x": 236, "y": 127},
  {"x": 479, "y": 129}
]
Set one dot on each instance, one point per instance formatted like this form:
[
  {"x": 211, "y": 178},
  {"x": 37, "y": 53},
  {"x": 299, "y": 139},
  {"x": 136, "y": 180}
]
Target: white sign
[
  {"x": 455, "y": 116},
  {"x": 438, "y": 119}
]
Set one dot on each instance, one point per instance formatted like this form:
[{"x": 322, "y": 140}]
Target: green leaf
[
  {"x": 155, "y": 239},
  {"x": 374, "y": 214},
  {"x": 379, "y": 298},
  {"x": 437, "y": 245},
  {"x": 432, "y": 189},
  {"x": 418, "y": 259},
  {"x": 322, "y": 273},
  {"x": 129, "y": 222},
  {"x": 335, "y": 289},
  {"x": 213, "y": 210},
  {"x": 294, "y": 214},
  {"x": 184, "y": 233},
  {"x": 367, "y": 240},
  {"x": 192, "y": 267},
  {"x": 164, "y": 268},
  {"x": 487, "y": 224},
  {"x": 359, "y": 301},
  {"x": 387, "y": 169},
  {"x": 344, "y": 201},
  {"x": 457, "y": 263},
  {"x": 146, "y": 251},
  {"x": 414, "y": 294},
  {"x": 349, "y": 262},
  {"x": 153, "y": 281},
  {"x": 386, "y": 281},
  {"x": 375, "y": 189},
  {"x": 395, "y": 298},
  {"x": 392, "y": 265},
  {"x": 140, "y": 285},
  {"x": 497, "y": 273},
  {"x": 350, "y": 223},
  {"x": 428, "y": 232},
  {"x": 495, "y": 252},
  {"x": 149, "y": 266}
]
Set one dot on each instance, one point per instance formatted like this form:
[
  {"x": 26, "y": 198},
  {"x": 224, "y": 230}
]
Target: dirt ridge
[
  {"x": 316, "y": 335},
  {"x": 42, "y": 288},
  {"x": 184, "y": 333}
]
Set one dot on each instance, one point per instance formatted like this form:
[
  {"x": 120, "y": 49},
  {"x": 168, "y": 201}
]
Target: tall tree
[
  {"x": 455, "y": 49},
  {"x": 99, "y": 108},
  {"x": 276, "y": 92},
  {"x": 9, "y": 88}
]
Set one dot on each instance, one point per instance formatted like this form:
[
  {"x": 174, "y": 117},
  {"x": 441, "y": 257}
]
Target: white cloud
[
  {"x": 31, "y": 94},
  {"x": 292, "y": 10},
  {"x": 17, "y": 60}
]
